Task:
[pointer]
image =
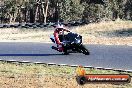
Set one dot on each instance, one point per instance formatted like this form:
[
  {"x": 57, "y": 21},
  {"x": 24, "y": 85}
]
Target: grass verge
[
  {"x": 108, "y": 33},
  {"x": 30, "y": 75}
]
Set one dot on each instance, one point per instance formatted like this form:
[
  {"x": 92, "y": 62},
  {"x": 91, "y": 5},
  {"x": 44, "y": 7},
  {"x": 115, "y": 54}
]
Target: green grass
[
  {"x": 14, "y": 70},
  {"x": 43, "y": 69}
]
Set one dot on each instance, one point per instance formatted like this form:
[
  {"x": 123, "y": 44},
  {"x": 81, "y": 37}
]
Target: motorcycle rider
[{"x": 59, "y": 30}]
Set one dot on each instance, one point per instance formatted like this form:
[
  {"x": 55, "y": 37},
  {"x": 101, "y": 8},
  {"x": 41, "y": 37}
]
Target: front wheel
[{"x": 84, "y": 50}]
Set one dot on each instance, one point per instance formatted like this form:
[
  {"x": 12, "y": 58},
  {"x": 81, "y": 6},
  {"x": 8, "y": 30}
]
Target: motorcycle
[{"x": 71, "y": 43}]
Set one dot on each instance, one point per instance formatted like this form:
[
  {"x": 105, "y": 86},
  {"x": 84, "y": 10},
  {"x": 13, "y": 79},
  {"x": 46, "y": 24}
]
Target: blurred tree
[
  {"x": 71, "y": 10},
  {"x": 93, "y": 13},
  {"x": 66, "y": 10},
  {"x": 128, "y": 9}
]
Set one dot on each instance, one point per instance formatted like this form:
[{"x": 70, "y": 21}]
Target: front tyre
[{"x": 84, "y": 50}]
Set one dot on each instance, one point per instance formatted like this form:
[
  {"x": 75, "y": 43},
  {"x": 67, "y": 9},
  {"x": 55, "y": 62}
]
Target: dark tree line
[{"x": 43, "y": 11}]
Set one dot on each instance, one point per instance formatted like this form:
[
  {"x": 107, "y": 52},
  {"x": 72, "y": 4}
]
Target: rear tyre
[{"x": 65, "y": 51}]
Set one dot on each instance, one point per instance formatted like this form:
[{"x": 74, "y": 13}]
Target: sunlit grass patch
[
  {"x": 108, "y": 33},
  {"x": 30, "y": 75}
]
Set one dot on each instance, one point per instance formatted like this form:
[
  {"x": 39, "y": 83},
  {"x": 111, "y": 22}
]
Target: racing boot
[{"x": 60, "y": 49}]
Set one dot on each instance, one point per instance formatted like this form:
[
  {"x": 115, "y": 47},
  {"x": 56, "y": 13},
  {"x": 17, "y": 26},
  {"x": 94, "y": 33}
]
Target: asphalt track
[{"x": 106, "y": 56}]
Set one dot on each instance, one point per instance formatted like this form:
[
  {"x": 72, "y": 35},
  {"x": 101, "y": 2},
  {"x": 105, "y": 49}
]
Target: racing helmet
[{"x": 60, "y": 27}]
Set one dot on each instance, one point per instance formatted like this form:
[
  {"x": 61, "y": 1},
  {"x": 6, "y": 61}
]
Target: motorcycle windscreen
[{"x": 72, "y": 37}]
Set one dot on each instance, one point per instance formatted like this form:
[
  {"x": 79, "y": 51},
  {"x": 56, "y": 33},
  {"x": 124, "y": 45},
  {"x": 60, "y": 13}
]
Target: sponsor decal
[{"x": 82, "y": 77}]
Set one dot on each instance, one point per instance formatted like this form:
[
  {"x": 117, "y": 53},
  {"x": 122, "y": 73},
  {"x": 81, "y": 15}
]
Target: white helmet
[{"x": 60, "y": 26}]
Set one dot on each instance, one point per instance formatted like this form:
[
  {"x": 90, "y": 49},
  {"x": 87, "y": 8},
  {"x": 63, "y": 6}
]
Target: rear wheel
[{"x": 65, "y": 51}]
